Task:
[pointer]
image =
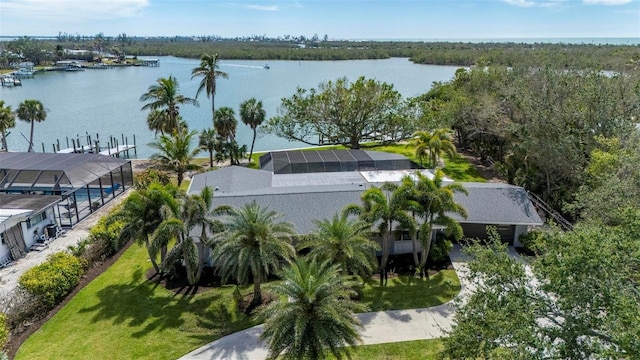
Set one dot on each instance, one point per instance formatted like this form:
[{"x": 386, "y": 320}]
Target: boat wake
[{"x": 244, "y": 66}]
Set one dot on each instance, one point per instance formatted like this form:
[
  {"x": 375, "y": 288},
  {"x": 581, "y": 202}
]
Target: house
[
  {"x": 42, "y": 189},
  {"x": 306, "y": 196}
]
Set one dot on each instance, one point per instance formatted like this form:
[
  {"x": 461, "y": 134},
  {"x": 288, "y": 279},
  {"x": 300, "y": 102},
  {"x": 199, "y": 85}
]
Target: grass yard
[
  {"x": 407, "y": 350},
  {"x": 409, "y": 292},
  {"x": 122, "y": 315}
]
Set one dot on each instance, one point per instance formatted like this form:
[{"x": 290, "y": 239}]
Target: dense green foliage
[
  {"x": 537, "y": 126},
  {"x": 52, "y": 280},
  {"x": 145, "y": 178},
  {"x": 4, "y": 331},
  {"x": 315, "y": 314},
  {"x": 342, "y": 113},
  {"x": 175, "y": 153},
  {"x": 560, "y": 56},
  {"x": 31, "y": 111},
  {"x": 7, "y": 121}
]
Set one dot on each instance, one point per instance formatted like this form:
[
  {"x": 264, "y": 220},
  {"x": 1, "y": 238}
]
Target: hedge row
[{"x": 52, "y": 280}]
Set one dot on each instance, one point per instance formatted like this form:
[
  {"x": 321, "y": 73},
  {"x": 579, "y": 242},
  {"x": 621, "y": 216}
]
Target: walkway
[{"x": 379, "y": 327}]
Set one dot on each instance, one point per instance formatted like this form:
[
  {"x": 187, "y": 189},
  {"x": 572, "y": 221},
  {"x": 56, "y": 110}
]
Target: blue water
[{"x": 106, "y": 102}]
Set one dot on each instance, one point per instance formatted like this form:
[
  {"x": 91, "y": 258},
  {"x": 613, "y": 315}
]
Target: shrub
[
  {"x": 4, "y": 331},
  {"x": 52, "y": 280},
  {"x": 149, "y": 176},
  {"x": 440, "y": 248},
  {"x": 532, "y": 241},
  {"x": 104, "y": 240},
  {"x": 3, "y": 356}
]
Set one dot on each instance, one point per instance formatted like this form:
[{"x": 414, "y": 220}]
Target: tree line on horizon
[{"x": 557, "y": 55}]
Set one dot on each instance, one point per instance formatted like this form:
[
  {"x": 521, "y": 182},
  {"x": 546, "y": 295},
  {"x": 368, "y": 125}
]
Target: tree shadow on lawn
[
  {"x": 409, "y": 292},
  {"x": 136, "y": 303}
]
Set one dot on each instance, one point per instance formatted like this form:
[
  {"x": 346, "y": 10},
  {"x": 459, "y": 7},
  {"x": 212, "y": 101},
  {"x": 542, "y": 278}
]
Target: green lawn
[
  {"x": 408, "y": 292},
  {"x": 122, "y": 315},
  {"x": 407, "y": 350}
]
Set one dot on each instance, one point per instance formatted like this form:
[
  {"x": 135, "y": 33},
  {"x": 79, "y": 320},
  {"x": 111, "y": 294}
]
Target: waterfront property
[
  {"x": 307, "y": 196},
  {"x": 82, "y": 183}
]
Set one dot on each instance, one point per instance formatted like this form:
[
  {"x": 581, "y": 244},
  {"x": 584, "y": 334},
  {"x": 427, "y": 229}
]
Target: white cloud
[
  {"x": 70, "y": 10},
  {"x": 262, "y": 7},
  {"x": 606, "y": 2},
  {"x": 521, "y": 3}
]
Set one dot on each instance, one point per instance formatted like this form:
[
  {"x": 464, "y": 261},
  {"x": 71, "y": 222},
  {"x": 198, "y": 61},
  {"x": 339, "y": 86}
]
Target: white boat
[
  {"x": 74, "y": 66},
  {"x": 266, "y": 66},
  {"x": 8, "y": 80},
  {"x": 23, "y": 73}
]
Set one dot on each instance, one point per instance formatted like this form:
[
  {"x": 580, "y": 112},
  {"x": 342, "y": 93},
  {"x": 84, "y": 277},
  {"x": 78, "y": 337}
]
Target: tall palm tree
[
  {"x": 207, "y": 141},
  {"x": 253, "y": 115},
  {"x": 142, "y": 212},
  {"x": 433, "y": 144},
  {"x": 383, "y": 206},
  {"x": 176, "y": 153},
  {"x": 31, "y": 111},
  {"x": 345, "y": 242},
  {"x": 165, "y": 96},
  {"x": 226, "y": 125},
  {"x": 436, "y": 204},
  {"x": 315, "y": 316},
  {"x": 209, "y": 71},
  {"x": 254, "y": 244},
  {"x": 159, "y": 121},
  {"x": 7, "y": 121}
]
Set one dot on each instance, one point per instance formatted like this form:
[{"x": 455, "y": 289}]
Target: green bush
[
  {"x": 4, "y": 331},
  {"x": 52, "y": 280},
  {"x": 532, "y": 241},
  {"x": 104, "y": 240},
  {"x": 440, "y": 248},
  {"x": 149, "y": 176}
]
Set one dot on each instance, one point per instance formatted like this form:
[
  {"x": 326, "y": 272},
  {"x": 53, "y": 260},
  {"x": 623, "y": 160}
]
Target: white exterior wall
[
  {"x": 28, "y": 232},
  {"x": 4, "y": 249}
]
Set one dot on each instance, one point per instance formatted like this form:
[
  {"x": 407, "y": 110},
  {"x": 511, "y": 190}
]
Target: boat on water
[
  {"x": 10, "y": 80},
  {"x": 266, "y": 66},
  {"x": 73, "y": 67},
  {"x": 23, "y": 73}
]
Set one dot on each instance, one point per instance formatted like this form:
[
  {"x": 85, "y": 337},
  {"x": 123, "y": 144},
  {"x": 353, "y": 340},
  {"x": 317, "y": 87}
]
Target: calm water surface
[{"x": 106, "y": 102}]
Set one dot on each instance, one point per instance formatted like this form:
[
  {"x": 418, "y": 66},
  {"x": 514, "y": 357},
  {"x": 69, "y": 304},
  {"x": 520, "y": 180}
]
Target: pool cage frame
[{"x": 84, "y": 182}]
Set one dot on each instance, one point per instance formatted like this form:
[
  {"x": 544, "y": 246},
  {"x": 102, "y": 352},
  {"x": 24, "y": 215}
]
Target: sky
[{"x": 338, "y": 19}]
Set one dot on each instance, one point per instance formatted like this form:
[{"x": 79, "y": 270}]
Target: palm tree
[
  {"x": 159, "y": 121},
  {"x": 433, "y": 144},
  {"x": 253, "y": 115},
  {"x": 383, "y": 206},
  {"x": 345, "y": 242},
  {"x": 209, "y": 72},
  {"x": 315, "y": 316},
  {"x": 141, "y": 214},
  {"x": 226, "y": 125},
  {"x": 7, "y": 121},
  {"x": 207, "y": 141},
  {"x": 436, "y": 204},
  {"x": 31, "y": 111},
  {"x": 175, "y": 153},
  {"x": 254, "y": 244},
  {"x": 165, "y": 96}
]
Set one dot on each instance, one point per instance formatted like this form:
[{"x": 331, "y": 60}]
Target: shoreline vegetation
[{"x": 556, "y": 55}]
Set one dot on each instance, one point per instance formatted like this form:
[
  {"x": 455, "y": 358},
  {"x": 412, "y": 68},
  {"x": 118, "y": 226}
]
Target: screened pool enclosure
[{"x": 84, "y": 182}]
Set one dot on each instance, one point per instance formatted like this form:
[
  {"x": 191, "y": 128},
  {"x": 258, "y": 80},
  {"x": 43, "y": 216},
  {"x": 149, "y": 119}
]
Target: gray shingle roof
[{"x": 319, "y": 196}]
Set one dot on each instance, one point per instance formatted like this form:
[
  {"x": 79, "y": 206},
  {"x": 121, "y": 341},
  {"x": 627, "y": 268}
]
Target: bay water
[{"x": 106, "y": 102}]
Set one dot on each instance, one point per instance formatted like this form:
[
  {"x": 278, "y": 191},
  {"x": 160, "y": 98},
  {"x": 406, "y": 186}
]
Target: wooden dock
[{"x": 114, "y": 147}]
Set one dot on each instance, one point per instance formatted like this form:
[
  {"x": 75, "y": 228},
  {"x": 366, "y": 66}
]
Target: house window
[
  {"x": 2, "y": 240},
  {"x": 403, "y": 236},
  {"x": 36, "y": 219}
]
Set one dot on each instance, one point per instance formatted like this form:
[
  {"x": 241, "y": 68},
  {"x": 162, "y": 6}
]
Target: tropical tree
[
  {"x": 209, "y": 71},
  {"x": 176, "y": 153},
  {"x": 435, "y": 205},
  {"x": 141, "y": 214},
  {"x": 7, "y": 121},
  {"x": 254, "y": 244},
  {"x": 383, "y": 206},
  {"x": 207, "y": 141},
  {"x": 252, "y": 115},
  {"x": 159, "y": 121},
  {"x": 337, "y": 113},
  {"x": 315, "y": 316},
  {"x": 31, "y": 111},
  {"x": 344, "y": 241},
  {"x": 165, "y": 96},
  {"x": 226, "y": 125},
  {"x": 432, "y": 144}
]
